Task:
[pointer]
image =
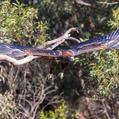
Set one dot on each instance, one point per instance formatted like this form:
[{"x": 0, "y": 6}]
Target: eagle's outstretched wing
[
  {"x": 109, "y": 41},
  {"x": 20, "y": 54}
]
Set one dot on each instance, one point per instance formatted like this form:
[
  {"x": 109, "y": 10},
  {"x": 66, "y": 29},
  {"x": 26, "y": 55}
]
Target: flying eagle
[{"x": 19, "y": 55}]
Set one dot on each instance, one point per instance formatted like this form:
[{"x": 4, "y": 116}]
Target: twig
[
  {"x": 83, "y": 3},
  {"x": 56, "y": 44},
  {"x": 107, "y": 3},
  {"x": 105, "y": 109},
  {"x": 74, "y": 39}
]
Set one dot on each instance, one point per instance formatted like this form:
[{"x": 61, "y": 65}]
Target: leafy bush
[
  {"x": 59, "y": 113},
  {"x": 18, "y": 22},
  {"x": 106, "y": 65},
  {"x": 114, "y": 22},
  {"x": 106, "y": 70}
]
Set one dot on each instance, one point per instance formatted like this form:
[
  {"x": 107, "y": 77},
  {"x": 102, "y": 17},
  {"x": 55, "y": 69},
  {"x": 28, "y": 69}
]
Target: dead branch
[
  {"x": 107, "y": 3},
  {"x": 74, "y": 39},
  {"x": 81, "y": 2},
  {"x": 56, "y": 42},
  {"x": 105, "y": 109},
  {"x": 17, "y": 62}
]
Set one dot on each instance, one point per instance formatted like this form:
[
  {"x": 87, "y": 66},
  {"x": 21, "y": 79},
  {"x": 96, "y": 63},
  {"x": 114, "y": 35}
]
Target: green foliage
[
  {"x": 42, "y": 37},
  {"x": 60, "y": 15},
  {"x": 59, "y": 113},
  {"x": 105, "y": 69},
  {"x": 114, "y": 22},
  {"x": 18, "y": 22}
]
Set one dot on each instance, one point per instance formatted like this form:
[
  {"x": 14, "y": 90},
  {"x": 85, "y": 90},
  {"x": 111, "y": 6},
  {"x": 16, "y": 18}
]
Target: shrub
[
  {"x": 18, "y": 22},
  {"x": 59, "y": 113},
  {"x": 114, "y": 22}
]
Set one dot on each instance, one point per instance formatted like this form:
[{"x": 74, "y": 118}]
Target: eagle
[{"x": 19, "y": 55}]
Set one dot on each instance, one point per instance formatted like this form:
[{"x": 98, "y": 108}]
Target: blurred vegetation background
[{"x": 87, "y": 88}]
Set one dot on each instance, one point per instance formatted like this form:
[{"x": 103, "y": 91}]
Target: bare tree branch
[
  {"x": 105, "y": 109},
  {"x": 107, "y": 3},
  {"x": 81, "y": 2},
  {"x": 17, "y": 62},
  {"x": 56, "y": 42}
]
